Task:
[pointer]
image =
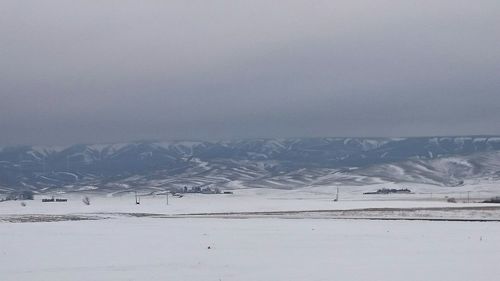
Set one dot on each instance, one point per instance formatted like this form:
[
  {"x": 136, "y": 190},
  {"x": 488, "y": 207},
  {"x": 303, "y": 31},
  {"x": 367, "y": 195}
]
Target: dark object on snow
[
  {"x": 54, "y": 200},
  {"x": 209, "y": 247},
  {"x": 390, "y": 190},
  {"x": 204, "y": 189},
  {"x": 86, "y": 200},
  {"x": 493, "y": 200},
  {"x": 451, "y": 200}
]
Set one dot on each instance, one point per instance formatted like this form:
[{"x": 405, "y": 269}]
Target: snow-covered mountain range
[{"x": 275, "y": 163}]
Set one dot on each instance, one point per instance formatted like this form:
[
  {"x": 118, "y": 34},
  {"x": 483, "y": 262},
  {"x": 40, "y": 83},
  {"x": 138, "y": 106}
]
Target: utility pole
[
  {"x": 468, "y": 196},
  {"x": 337, "y": 196},
  {"x": 137, "y": 201},
  {"x": 167, "y": 197}
]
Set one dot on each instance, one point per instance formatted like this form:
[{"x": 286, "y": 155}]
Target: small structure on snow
[
  {"x": 45, "y": 200},
  {"x": 493, "y": 200},
  {"x": 390, "y": 191}
]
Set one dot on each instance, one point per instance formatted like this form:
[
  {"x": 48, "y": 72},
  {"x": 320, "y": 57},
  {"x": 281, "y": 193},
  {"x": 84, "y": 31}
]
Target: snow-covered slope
[{"x": 273, "y": 163}]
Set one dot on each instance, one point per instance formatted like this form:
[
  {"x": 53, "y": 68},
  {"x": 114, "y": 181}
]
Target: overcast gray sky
[{"x": 104, "y": 71}]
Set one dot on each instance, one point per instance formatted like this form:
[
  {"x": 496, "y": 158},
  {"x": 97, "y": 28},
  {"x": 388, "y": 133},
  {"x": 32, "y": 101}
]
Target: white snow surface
[
  {"x": 298, "y": 247},
  {"x": 255, "y": 249},
  {"x": 258, "y": 200}
]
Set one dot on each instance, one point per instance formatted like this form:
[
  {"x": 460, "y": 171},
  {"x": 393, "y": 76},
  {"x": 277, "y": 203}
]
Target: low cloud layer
[{"x": 103, "y": 71}]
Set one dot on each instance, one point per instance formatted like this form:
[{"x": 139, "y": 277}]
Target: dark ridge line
[
  {"x": 338, "y": 218},
  {"x": 345, "y": 210}
]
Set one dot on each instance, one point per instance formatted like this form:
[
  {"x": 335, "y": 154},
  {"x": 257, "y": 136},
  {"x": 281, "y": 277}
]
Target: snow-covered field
[
  {"x": 254, "y": 234},
  {"x": 253, "y": 249},
  {"x": 252, "y": 200}
]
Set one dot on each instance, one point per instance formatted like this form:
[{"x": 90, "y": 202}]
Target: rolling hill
[{"x": 273, "y": 163}]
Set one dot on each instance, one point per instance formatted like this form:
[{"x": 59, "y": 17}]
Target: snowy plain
[
  {"x": 156, "y": 241},
  {"x": 254, "y": 249},
  {"x": 260, "y": 199}
]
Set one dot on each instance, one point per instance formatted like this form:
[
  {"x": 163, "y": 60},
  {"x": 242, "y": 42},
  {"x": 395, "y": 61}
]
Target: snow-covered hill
[{"x": 275, "y": 163}]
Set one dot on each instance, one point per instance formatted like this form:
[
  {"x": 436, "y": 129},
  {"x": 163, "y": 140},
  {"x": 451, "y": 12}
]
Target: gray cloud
[{"x": 99, "y": 71}]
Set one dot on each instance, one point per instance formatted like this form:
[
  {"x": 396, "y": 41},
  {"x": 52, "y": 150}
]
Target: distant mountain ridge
[{"x": 276, "y": 163}]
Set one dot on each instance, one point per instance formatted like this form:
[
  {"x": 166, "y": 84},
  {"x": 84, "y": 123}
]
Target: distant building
[
  {"x": 390, "y": 190},
  {"x": 45, "y": 200}
]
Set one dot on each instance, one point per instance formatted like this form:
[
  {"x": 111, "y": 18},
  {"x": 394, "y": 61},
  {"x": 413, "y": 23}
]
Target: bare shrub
[
  {"x": 86, "y": 200},
  {"x": 23, "y": 204}
]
